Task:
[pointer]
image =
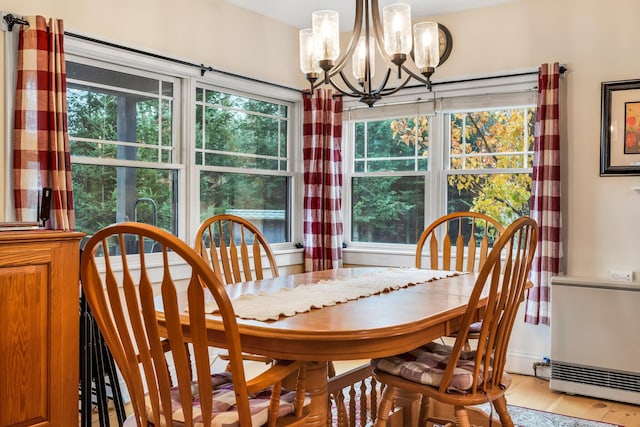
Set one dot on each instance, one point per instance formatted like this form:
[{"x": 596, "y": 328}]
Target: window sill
[{"x": 384, "y": 257}]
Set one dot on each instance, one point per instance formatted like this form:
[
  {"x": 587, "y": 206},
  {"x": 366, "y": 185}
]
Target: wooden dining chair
[
  {"x": 452, "y": 376},
  {"x": 458, "y": 241},
  {"x": 234, "y": 248},
  {"x": 138, "y": 300}
]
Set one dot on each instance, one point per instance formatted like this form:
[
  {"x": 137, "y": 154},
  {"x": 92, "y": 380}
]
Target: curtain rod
[
  {"x": 12, "y": 20},
  {"x": 562, "y": 69},
  {"x": 203, "y": 68}
]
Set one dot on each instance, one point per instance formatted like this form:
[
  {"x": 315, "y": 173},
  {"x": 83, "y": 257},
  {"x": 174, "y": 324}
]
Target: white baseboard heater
[{"x": 595, "y": 338}]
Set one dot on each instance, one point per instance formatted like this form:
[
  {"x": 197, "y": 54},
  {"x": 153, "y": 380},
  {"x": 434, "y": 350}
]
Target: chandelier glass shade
[{"x": 428, "y": 44}]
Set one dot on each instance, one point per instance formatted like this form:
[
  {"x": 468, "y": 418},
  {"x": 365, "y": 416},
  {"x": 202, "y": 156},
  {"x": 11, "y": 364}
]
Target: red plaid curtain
[
  {"x": 322, "y": 181},
  {"x": 545, "y": 196},
  {"x": 41, "y": 155}
]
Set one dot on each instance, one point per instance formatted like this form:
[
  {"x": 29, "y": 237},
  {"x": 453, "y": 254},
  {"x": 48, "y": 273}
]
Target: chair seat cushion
[
  {"x": 426, "y": 365},
  {"x": 475, "y": 327},
  {"x": 225, "y": 412}
]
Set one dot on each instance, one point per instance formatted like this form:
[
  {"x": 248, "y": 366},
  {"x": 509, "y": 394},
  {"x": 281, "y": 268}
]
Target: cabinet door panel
[
  {"x": 39, "y": 329},
  {"x": 24, "y": 344}
]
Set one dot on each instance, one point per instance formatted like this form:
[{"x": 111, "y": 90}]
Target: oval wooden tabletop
[{"x": 375, "y": 326}]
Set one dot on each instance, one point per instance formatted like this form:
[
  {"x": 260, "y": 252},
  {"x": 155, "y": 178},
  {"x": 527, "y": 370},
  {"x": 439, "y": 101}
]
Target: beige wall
[
  {"x": 211, "y": 32},
  {"x": 597, "y": 40}
]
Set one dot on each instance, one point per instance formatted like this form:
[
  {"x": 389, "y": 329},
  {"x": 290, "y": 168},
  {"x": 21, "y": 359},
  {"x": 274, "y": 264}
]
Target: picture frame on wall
[{"x": 620, "y": 128}]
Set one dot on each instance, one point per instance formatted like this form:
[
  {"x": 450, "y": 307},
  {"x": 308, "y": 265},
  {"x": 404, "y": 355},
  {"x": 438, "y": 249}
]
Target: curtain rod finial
[
  {"x": 563, "y": 70},
  {"x": 204, "y": 69},
  {"x": 13, "y": 20}
]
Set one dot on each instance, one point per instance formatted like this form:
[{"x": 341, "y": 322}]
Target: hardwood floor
[{"x": 533, "y": 392}]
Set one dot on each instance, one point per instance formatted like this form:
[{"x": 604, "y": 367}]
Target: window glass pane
[
  {"x": 243, "y": 103},
  {"x": 391, "y": 145},
  {"x": 531, "y": 131},
  {"x": 105, "y": 195},
  {"x": 261, "y": 199},
  {"x": 390, "y": 138},
  {"x": 421, "y": 137},
  {"x": 166, "y": 118},
  {"x": 360, "y": 139},
  {"x": 423, "y": 164},
  {"x": 122, "y": 117},
  {"x": 493, "y": 139},
  {"x": 91, "y": 114},
  {"x": 282, "y": 150},
  {"x": 199, "y": 120},
  {"x": 118, "y": 115},
  {"x": 391, "y": 165},
  {"x": 242, "y": 132},
  {"x": 167, "y": 89},
  {"x": 106, "y": 77},
  {"x": 504, "y": 197},
  {"x": 215, "y": 159},
  {"x": 387, "y": 209},
  {"x": 146, "y": 120}
]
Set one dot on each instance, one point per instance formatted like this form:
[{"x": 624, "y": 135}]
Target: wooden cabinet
[{"x": 39, "y": 291}]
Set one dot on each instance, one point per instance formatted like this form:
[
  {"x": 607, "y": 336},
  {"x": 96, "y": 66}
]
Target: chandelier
[{"x": 429, "y": 45}]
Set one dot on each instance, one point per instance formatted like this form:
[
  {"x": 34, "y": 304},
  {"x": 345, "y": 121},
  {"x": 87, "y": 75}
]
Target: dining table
[{"x": 311, "y": 326}]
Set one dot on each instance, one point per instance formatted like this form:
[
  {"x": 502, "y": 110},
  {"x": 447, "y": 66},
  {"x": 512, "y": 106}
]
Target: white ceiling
[{"x": 298, "y": 12}]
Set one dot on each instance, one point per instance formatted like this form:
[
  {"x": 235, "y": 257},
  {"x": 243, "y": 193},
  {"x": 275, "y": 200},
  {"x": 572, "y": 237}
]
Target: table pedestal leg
[
  {"x": 316, "y": 386},
  {"x": 476, "y": 416}
]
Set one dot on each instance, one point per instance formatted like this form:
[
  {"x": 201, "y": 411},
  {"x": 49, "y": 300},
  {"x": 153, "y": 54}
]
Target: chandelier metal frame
[{"x": 367, "y": 20}]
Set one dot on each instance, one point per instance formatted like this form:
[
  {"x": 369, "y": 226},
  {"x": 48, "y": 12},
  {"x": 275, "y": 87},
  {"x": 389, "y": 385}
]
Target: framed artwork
[{"x": 620, "y": 128}]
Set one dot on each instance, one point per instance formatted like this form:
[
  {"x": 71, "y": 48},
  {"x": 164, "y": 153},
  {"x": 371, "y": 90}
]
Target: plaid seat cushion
[
  {"x": 225, "y": 412},
  {"x": 475, "y": 327},
  {"x": 426, "y": 365}
]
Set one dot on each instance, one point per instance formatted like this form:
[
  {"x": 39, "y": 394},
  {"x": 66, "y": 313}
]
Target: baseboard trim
[{"x": 522, "y": 363}]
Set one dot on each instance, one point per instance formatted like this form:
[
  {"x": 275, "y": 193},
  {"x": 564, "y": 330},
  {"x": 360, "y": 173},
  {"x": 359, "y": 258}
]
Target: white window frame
[
  {"x": 10, "y": 66},
  {"x": 286, "y": 253},
  {"x": 292, "y": 160},
  {"x": 177, "y": 163},
  {"x": 476, "y": 94}
]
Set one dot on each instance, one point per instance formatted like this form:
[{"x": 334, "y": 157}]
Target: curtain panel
[
  {"x": 545, "y": 196},
  {"x": 41, "y": 156},
  {"x": 323, "y": 227}
]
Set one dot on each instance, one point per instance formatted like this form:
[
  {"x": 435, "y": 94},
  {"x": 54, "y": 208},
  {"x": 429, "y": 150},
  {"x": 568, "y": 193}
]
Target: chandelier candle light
[{"x": 429, "y": 46}]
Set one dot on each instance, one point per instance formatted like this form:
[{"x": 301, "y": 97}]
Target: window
[
  {"x": 122, "y": 135},
  {"x": 241, "y": 153},
  {"x": 388, "y": 184},
  {"x": 156, "y": 142},
  {"x": 411, "y": 163},
  {"x": 490, "y": 162}
]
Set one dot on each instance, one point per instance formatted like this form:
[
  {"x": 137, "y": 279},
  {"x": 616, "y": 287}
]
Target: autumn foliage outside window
[{"x": 486, "y": 167}]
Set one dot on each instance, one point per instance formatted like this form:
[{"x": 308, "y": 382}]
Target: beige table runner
[{"x": 290, "y": 301}]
